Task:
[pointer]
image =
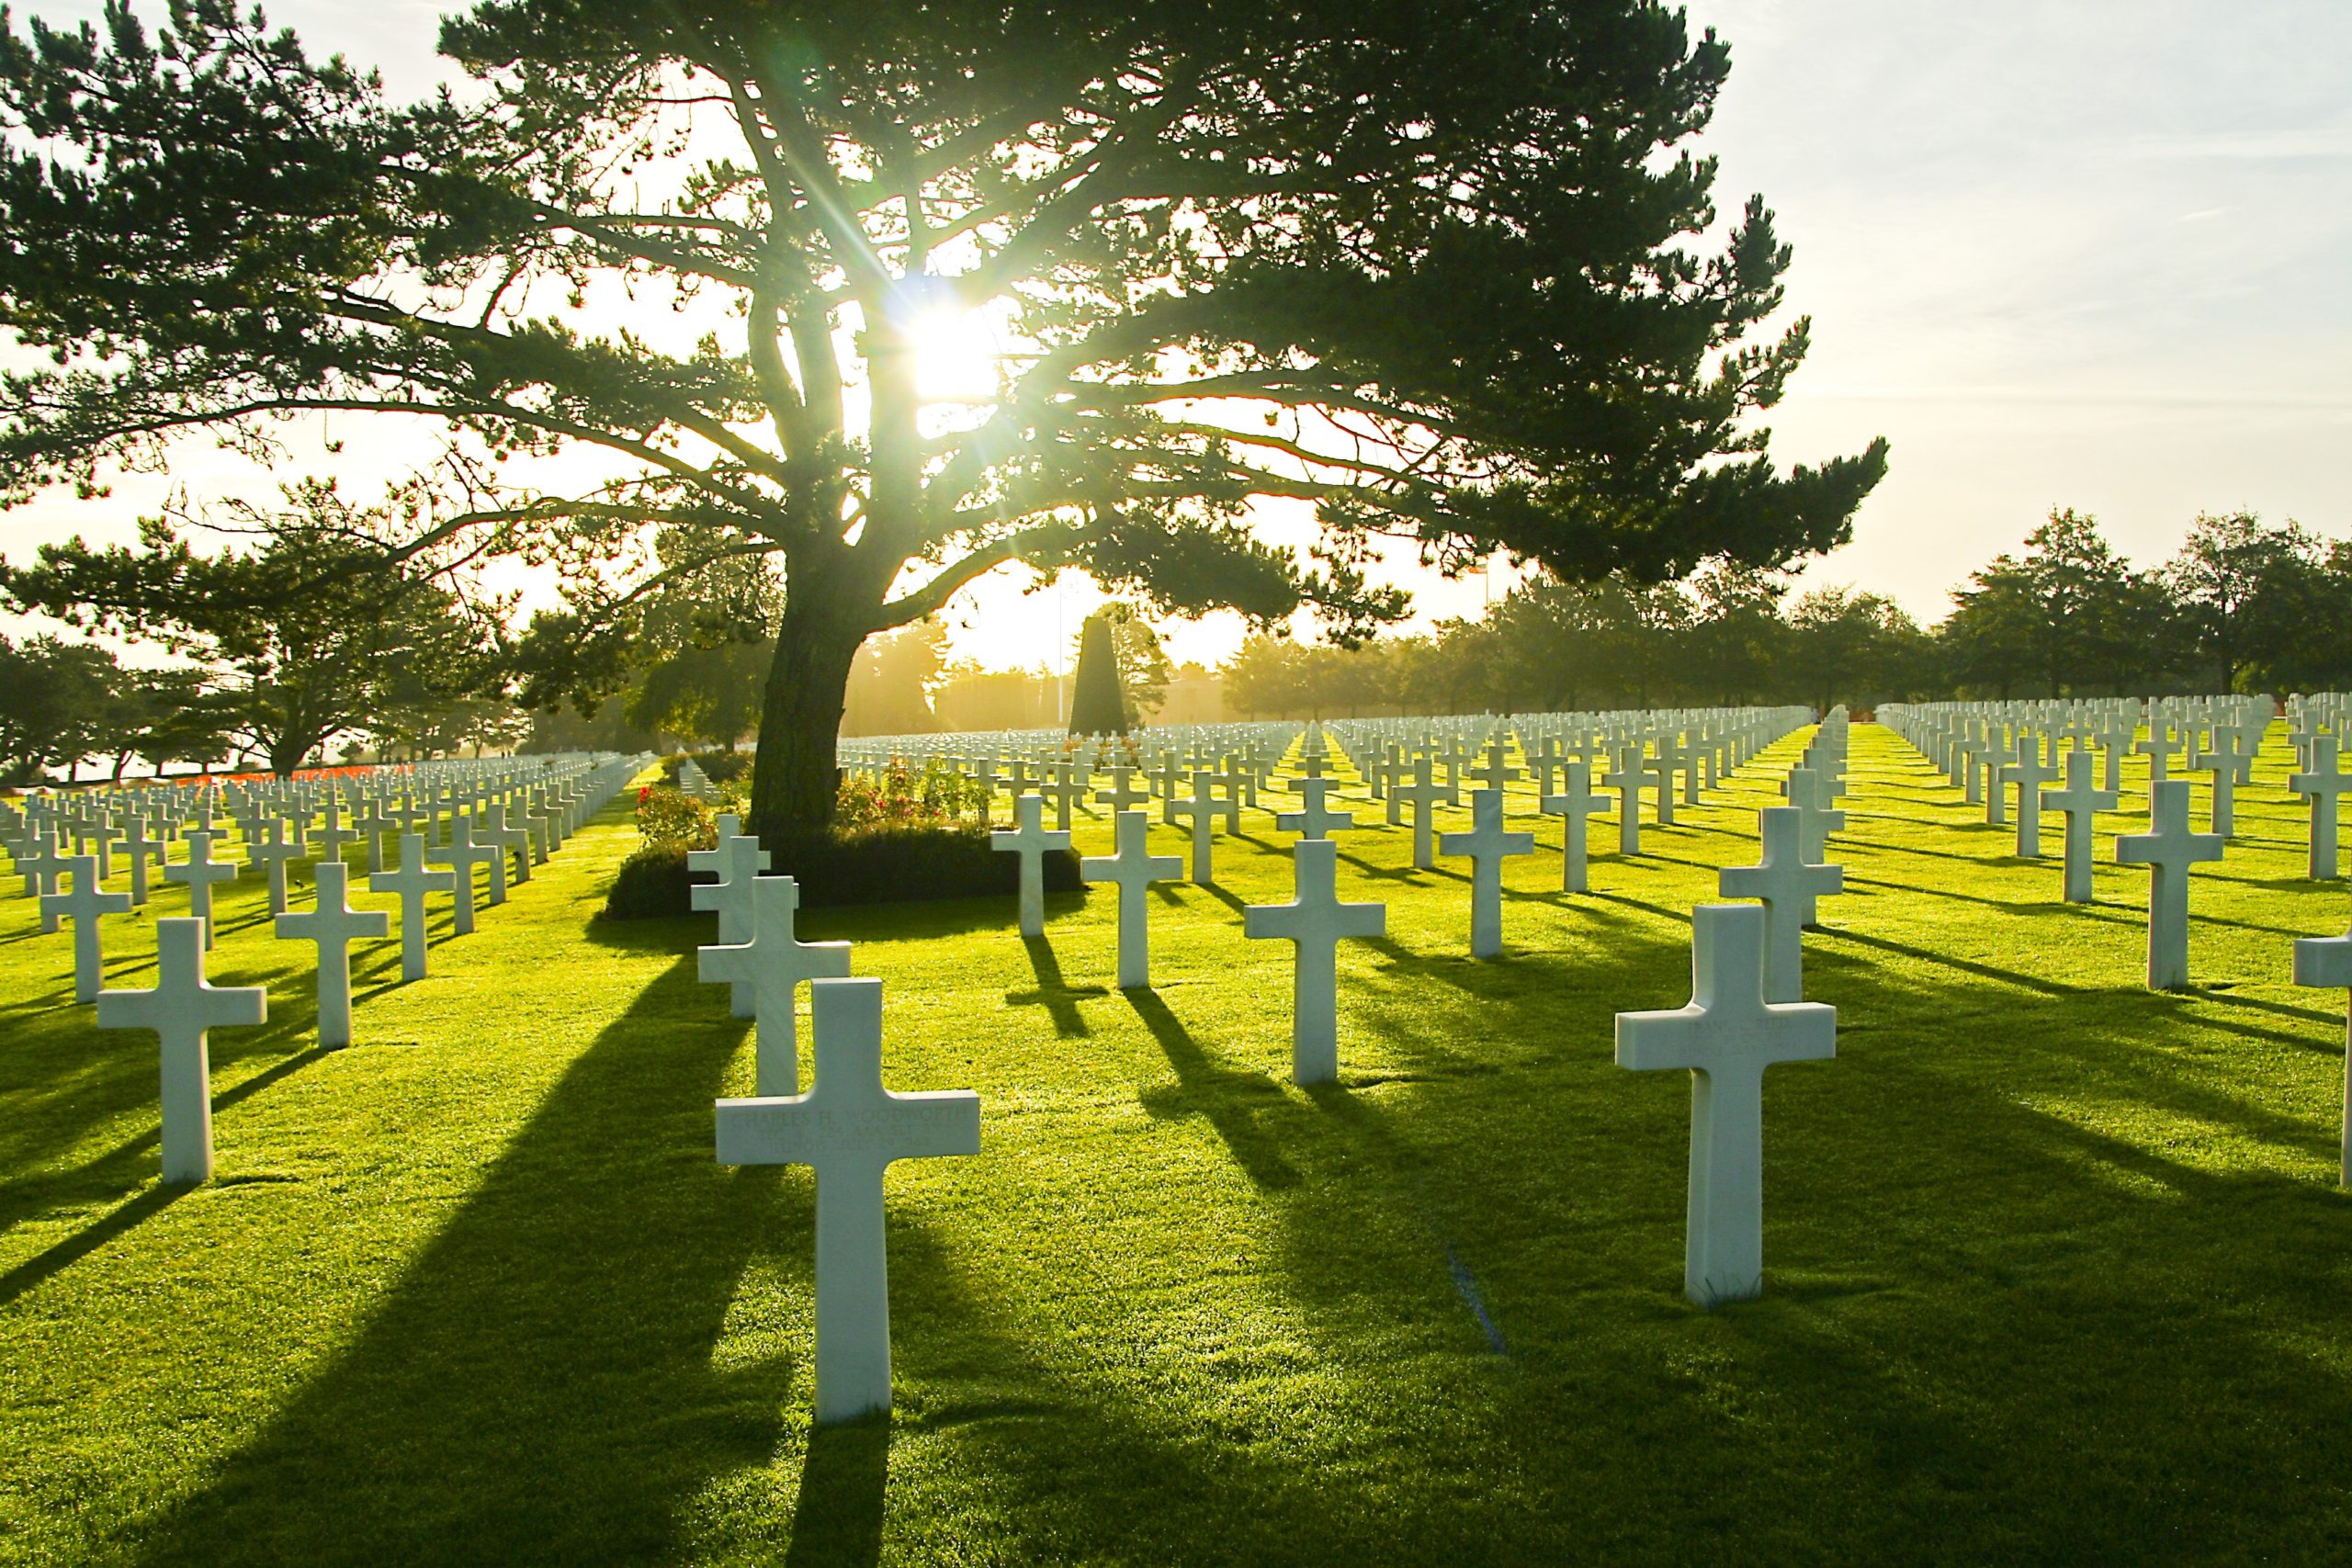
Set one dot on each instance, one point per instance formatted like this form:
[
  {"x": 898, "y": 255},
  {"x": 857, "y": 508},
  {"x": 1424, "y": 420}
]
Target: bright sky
[{"x": 2088, "y": 256}]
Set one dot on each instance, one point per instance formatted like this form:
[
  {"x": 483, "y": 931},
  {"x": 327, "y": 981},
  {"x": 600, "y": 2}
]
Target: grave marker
[
  {"x": 1726, "y": 1037},
  {"x": 182, "y": 1009},
  {"x": 2079, "y": 800},
  {"x": 1030, "y": 840},
  {"x": 1487, "y": 845},
  {"x": 1788, "y": 886},
  {"x": 411, "y": 883},
  {"x": 848, "y": 1128},
  {"x": 1575, "y": 806},
  {"x": 332, "y": 927},
  {"x": 1313, "y": 923},
  {"x": 2326, "y": 962},
  {"x": 200, "y": 871},
  {"x": 86, "y": 906},
  {"x": 773, "y": 962},
  {"x": 2168, "y": 849},
  {"x": 1135, "y": 868}
]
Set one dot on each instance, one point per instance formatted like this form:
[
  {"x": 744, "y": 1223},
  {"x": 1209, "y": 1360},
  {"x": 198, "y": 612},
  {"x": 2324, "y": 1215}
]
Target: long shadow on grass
[
  {"x": 64, "y": 1082},
  {"x": 1968, "y": 1270},
  {"x": 538, "y": 1385},
  {"x": 1234, "y": 1101}
]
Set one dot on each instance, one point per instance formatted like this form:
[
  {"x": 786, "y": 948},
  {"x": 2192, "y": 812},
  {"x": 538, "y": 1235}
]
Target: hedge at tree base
[{"x": 888, "y": 866}]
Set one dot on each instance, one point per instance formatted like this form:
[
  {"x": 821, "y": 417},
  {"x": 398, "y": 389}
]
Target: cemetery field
[{"x": 2055, "y": 1268}]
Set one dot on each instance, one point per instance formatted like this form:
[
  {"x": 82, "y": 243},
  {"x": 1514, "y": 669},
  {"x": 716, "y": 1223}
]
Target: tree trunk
[{"x": 795, "y": 779}]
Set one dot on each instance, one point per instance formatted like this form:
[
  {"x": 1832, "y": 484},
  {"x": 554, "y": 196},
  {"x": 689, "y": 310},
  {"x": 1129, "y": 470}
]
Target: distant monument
[{"x": 1097, "y": 705}]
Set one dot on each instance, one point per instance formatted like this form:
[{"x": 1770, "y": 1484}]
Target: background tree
[
  {"x": 1267, "y": 677},
  {"x": 1444, "y": 269},
  {"x": 890, "y": 684},
  {"x": 56, "y": 705},
  {"x": 2243, "y": 591},
  {"x": 1736, "y": 641},
  {"x": 315, "y": 631},
  {"x": 1847, "y": 647}
]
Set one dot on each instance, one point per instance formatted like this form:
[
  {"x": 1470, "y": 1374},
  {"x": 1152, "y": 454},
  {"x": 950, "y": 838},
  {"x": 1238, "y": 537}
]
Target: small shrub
[
  {"x": 899, "y": 797},
  {"x": 723, "y": 767},
  {"x": 653, "y": 885},
  {"x": 880, "y": 865},
  {"x": 668, "y": 819}
]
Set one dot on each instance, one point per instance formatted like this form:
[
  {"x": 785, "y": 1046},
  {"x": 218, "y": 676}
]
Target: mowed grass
[{"x": 2055, "y": 1268}]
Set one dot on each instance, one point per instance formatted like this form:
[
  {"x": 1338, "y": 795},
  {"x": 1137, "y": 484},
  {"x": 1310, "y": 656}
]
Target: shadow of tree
[{"x": 538, "y": 1385}]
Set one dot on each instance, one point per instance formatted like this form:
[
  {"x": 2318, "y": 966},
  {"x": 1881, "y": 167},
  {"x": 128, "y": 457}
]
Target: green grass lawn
[{"x": 2056, "y": 1269}]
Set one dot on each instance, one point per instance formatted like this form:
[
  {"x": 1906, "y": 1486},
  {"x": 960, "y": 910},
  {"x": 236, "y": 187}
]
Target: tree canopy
[
  {"x": 1452, "y": 275},
  {"x": 312, "y": 632}
]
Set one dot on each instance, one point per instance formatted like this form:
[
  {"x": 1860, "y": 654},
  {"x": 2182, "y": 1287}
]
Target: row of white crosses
[
  {"x": 88, "y": 904},
  {"x": 183, "y": 1007},
  {"x": 848, "y": 1128},
  {"x": 1747, "y": 1012},
  {"x": 1316, "y": 920},
  {"x": 2316, "y": 729},
  {"x": 2231, "y": 728},
  {"x": 144, "y": 819}
]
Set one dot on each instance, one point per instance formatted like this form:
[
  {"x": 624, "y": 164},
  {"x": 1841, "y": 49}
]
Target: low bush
[
  {"x": 883, "y": 865},
  {"x": 653, "y": 885},
  {"x": 899, "y": 797},
  {"x": 723, "y": 767},
  {"x": 668, "y": 819}
]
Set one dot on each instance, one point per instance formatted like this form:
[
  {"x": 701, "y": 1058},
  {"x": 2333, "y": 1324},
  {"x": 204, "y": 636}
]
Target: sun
[{"x": 957, "y": 357}]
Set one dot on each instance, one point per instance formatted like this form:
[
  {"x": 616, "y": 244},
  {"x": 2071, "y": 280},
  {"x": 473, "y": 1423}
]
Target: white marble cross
[
  {"x": 1422, "y": 795},
  {"x": 2168, "y": 849},
  {"x": 411, "y": 883},
  {"x": 43, "y": 867},
  {"x": 1661, "y": 773},
  {"x": 2326, "y": 962},
  {"x": 332, "y": 835},
  {"x": 142, "y": 850},
  {"x": 181, "y": 1009},
  {"x": 1626, "y": 778},
  {"x": 730, "y": 826},
  {"x": 1313, "y": 923},
  {"x": 200, "y": 871},
  {"x": 1788, "y": 884},
  {"x": 1122, "y": 797},
  {"x": 332, "y": 926},
  {"x": 462, "y": 854},
  {"x": 1030, "y": 840},
  {"x": 1487, "y": 845},
  {"x": 2079, "y": 800},
  {"x": 2028, "y": 773},
  {"x": 1726, "y": 1037},
  {"x": 2323, "y": 783},
  {"x": 1495, "y": 772},
  {"x": 848, "y": 1128},
  {"x": 1804, "y": 789},
  {"x": 85, "y": 906},
  {"x": 373, "y": 823},
  {"x": 2158, "y": 748},
  {"x": 505, "y": 840},
  {"x": 1575, "y": 805},
  {"x": 1200, "y": 813},
  {"x": 1314, "y": 820},
  {"x": 773, "y": 962},
  {"x": 271, "y": 852},
  {"x": 738, "y": 856},
  {"x": 1135, "y": 868}
]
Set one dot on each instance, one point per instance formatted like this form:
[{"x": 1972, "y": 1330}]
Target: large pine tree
[{"x": 1450, "y": 273}]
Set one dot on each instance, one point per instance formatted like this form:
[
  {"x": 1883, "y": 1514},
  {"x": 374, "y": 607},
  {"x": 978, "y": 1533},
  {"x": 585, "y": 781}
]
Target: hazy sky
[{"x": 2091, "y": 255}]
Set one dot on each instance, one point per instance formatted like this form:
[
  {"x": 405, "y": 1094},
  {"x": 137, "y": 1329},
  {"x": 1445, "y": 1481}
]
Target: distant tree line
[{"x": 2243, "y": 606}]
